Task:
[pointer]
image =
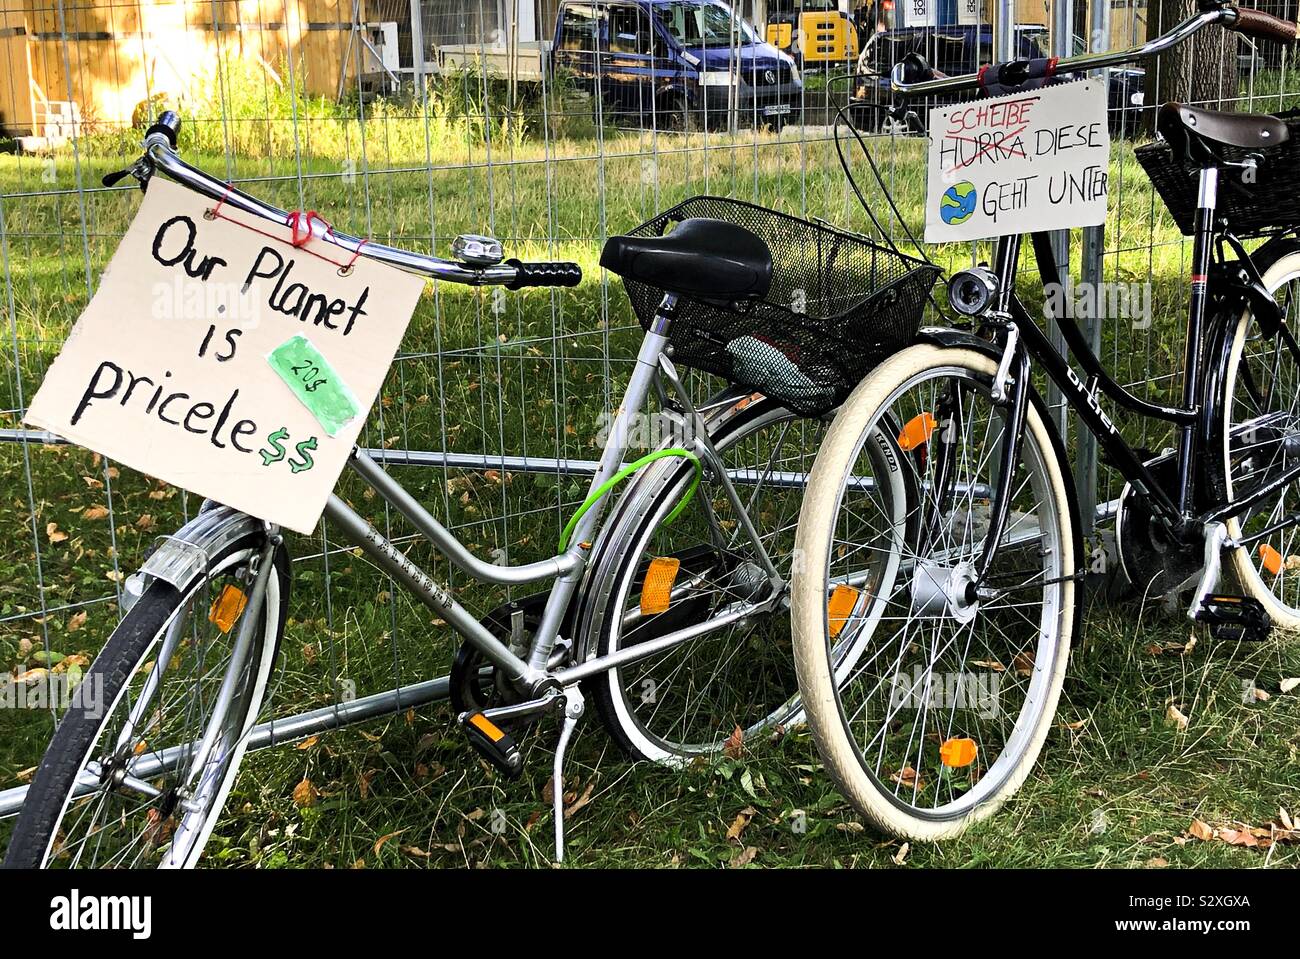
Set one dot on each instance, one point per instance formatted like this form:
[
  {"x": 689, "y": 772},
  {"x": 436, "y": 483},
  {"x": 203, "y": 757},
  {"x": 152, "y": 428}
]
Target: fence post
[
  {"x": 1094, "y": 247},
  {"x": 417, "y": 45}
]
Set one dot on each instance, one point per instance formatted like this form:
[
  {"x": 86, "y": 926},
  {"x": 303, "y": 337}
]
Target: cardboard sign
[
  {"x": 228, "y": 363},
  {"x": 1030, "y": 161}
]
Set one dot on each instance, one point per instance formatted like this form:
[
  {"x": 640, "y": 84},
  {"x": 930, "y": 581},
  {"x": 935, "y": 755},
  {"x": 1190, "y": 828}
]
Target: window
[
  {"x": 629, "y": 31},
  {"x": 703, "y": 24},
  {"x": 578, "y": 27}
]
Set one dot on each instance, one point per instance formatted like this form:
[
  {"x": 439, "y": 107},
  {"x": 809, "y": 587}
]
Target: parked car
[
  {"x": 959, "y": 49},
  {"x": 673, "y": 63}
]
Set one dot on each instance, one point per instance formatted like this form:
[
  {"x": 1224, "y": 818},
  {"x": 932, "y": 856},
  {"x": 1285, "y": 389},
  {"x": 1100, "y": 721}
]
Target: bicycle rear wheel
[
  {"x": 121, "y": 784},
  {"x": 652, "y": 579},
  {"x": 1260, "y": 439},
  {"x": 954, "y": 691}
]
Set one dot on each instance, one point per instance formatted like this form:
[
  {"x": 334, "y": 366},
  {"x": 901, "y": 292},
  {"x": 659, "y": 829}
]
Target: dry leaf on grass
[
  {"x": 740, "y": 822},
  {"x": 305, "y": 794},
  {"x": 1250, "y": 837},
  {"x": 581, "y": 801},
  {"x": 1174, "y": 716},
  {"x": 1289, "y": 684},
  {"x": 95, "y": 512},
  {"x": 735, "y": 744},
  {"x": 76, "y": 621},
  {"x": 379, "y": 843},
  {"x": 744, "y": 857},
  {"x": 901, "y": 856}
]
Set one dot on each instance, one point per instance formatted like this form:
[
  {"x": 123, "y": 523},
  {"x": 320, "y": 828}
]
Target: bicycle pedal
[
  {"x": 493, "y": 743},
  {"x": 1234, "y": 617}
]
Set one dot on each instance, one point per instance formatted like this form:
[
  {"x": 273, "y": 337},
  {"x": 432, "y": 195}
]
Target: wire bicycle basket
[
  {"x": 838, "y": 305},
  {"x": 1268, "y": 203}
]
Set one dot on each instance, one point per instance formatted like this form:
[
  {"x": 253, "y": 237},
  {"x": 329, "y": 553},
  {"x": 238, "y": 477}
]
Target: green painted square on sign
[{"x": 314, "y": 382}]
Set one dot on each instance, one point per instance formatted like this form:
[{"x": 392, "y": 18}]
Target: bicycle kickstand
[{"x": 573, "y": 706}]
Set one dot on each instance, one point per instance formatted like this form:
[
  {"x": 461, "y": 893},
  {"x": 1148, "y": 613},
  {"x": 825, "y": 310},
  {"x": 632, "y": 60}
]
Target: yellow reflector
[
  {"x": 958, "y": 752},
  {"x": 227, "y": 607},
  {"x": 1271, "y": 558},
  {"x": 916, "y": 432},
  {"x": 657, "y": 590},
  {"x": 487, "y": 727},
  {"x": 843, "y": 599}
]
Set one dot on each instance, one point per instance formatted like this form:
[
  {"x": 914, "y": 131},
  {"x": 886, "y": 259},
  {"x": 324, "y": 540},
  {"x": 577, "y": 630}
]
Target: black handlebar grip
[
  {"x": 112, "y": 179},
  {"x": 1264, "y": 26},
  {"x": 168, "y": 124},
  {"x": 543, "y": 274}
]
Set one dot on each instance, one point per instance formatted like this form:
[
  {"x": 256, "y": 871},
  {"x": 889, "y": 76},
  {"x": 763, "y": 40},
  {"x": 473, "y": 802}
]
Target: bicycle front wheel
[
  {"x": 950, "y": 701},
  {"x": 140, "y": 767}
]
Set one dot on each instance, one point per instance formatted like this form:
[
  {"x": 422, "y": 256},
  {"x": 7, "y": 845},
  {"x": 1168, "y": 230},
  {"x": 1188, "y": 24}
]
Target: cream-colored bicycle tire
[
  {"x": 808, "y": 607},
  {"x": 1286, "y": 268}
]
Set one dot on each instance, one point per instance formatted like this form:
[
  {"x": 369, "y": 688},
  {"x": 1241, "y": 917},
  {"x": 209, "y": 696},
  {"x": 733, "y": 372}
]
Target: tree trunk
[{"x": 1202, "y": 70}]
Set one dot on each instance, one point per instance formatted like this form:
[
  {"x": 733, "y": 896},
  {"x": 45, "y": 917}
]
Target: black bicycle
[{"x": 946, "y": 710}]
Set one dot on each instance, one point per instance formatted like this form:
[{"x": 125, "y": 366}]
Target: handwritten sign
[
  {"x": 225, "y": 362},
  {"x": 1030, "y": 161}
]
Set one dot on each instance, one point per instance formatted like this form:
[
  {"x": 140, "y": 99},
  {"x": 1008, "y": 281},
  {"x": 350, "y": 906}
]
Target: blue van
[{"x": 672, "y": 63}]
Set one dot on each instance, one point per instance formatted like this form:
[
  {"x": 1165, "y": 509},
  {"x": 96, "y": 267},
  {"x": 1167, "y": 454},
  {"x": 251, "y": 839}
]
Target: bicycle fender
[{"x": 186, "y": 554}]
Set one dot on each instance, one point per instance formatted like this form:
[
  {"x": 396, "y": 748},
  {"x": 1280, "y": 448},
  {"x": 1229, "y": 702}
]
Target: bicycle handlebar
[
  {"x": 1252, "y": 23},
  {"x": 160, "y": 154}
]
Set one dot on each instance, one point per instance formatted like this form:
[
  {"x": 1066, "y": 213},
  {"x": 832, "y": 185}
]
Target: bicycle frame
[
  {"x": 1023, "y": 340},
  {"x": 564, "y": 569}
]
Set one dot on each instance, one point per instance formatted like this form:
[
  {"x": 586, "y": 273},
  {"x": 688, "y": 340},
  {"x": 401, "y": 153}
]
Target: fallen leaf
[
  {"x": 740, "y": 822},
  {"x": 379, "y": 843},
  {"x": 1174, "y": 716},
  {"x": 76, "y": 621},
  {"x": 305, "y": 794},
  {"x": 1157, "y": 862},
  {"x": 581, "y": 801},
  {"x": 145, "y": 521},
  {"x": 54, "y": 534},
  {"x": 1285, "y": 819},
  {"x": 1262, "y": 695},
  {"x": 744, "y": 857},
  {"x": 849, "y": 827},
  {"x": 901, "y": 856},
  {"x": 1024, "y": 664},
  {"x": 1237, "y": 837},
  {"x": 95, "y": 512},
  {"x": 1289, "y": 684},
  {"x": 735, "y": 744},
  {"x": 1199, "y": 830},
  {"x": 990, "y": 664},
  {"x": 307, "y": 743}
]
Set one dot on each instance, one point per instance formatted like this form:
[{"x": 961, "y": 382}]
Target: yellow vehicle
[{"x": 812, "y": 31}]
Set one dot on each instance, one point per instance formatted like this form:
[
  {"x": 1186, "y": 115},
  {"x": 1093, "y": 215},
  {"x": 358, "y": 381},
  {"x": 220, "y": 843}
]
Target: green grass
[{"x": 1117, "y": 785}]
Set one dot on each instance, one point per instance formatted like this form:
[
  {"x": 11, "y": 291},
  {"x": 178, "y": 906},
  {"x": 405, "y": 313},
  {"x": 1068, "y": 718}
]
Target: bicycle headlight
[{"x": 971, "y": 292}]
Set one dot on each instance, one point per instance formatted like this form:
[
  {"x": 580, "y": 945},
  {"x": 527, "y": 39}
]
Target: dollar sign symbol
[
  {"x": 276, "y": 453},
  {"x": 307, "y": 462}
]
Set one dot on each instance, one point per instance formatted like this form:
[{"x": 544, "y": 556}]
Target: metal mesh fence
[{"x": 411, "y": 122}]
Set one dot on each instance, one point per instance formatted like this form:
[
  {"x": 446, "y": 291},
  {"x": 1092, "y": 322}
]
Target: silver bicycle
[{"x": 667, "y": 610}]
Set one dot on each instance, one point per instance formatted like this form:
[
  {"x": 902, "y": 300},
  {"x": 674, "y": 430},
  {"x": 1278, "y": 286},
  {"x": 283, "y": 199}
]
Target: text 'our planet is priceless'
[{"x": 225, "y": 361}]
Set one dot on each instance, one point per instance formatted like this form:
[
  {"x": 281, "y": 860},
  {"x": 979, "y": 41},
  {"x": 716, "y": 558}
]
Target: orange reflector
[
  {"x": 843, "y": 599},
  {"x": 657, "y": 590},
  {"x": 958, "y": 752},
  {"x": 227, "y": 607},
  {"x": 1271, "y": 558},
  {"x": 916, "y": 432},
  {"x": 487, "y": 727}
]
